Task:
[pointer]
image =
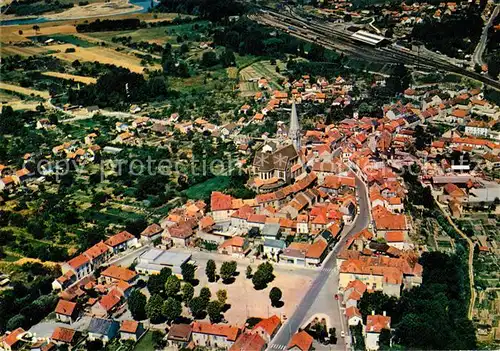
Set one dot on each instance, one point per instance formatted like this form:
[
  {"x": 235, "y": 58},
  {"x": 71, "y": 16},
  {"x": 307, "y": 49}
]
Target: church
[{"x": 278, "y": 163}]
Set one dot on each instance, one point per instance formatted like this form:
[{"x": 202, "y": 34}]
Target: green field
[
  {"x": 159, "y": 35},
  {"x": 203, "y": 190},
  {"x": 66, "y": 38},
  {"x": 146, "y": 343}
]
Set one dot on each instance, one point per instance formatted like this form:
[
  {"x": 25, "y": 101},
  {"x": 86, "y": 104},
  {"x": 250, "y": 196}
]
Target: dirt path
[{"x": 81, "y": 79}]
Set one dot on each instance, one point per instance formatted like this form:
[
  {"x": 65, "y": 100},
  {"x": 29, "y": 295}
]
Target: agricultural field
[
  {"x": 103, "y": 55},
  {"x": 80, "y": 79},
  {"x": 24, "y": 91},
  {"x": 261, "y": 69},
  {"x": 158, "y": 35}
]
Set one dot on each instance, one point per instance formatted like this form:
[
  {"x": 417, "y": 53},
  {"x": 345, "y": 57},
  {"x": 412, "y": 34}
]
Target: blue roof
[
  {"x": 279, "y": 244},
  {"x": 102, "y": 326}
]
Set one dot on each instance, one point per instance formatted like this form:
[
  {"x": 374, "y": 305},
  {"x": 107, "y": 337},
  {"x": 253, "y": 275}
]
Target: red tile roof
[
  {"x": 230, "y": 332},
  {"x": 302, "y": 340},
  {"x": 392, "y": 237},
  {"x": 129, "y": 326},
  {"x": 270, "y": 325},
  {"x": 66, "y": 308},
  {"x": 375, "y": 323},
  {"x": 78, "y": 261},
  {"x": 119, "y": 273},
  {"x": 97, "y": 250},
  {"x": 317, "y": 249},
  {"x": 12, "y": 338},
  {"x": 152, "y": 230},
  {"x": 249, "y": 342},
  {"x": 110, "y": 300},
  {"x": 220, "y": 201},
  {"x": 63, "y": 334},
  {"x": 119, "y": 238}
]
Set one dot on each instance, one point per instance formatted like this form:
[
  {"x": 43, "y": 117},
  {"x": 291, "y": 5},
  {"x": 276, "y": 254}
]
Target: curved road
[
  {"x": 303, "y": 309},
  {"x": 477, "y": 57}
]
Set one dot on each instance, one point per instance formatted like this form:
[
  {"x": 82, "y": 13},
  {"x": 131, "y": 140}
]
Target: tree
[
  {"x": 156, "y": 284},
  {"x": 222, "y": 296},
  {"x": 172, "y": 309},
  {"x": 36, "y": 28},
  {"x": 227, "y": 58},
  {"x": 16, "y": 321},
  {"x": 188, "y": 272},
  {"x": 172, "y": 286},
  {"x": 384, "y": 340},
  {"x": 249, "y": 272},
  {"x": 197, "y": 306},
  {"x": 210, "y": 270},
  {"x": 205, "y": 295},
  {"x": 154, "y": 309},
  {"x": 209, "y": 59},
  {"x": 227, "y": 270},
  {"x": 157, "y": 339},
  {"x": 259, "y": 280},
  {"x": 275, "y": 295},
  {"x": 137, "y": 305},
  {"x": 214, "y": 309},
  {"x": 187, "y": 292}
]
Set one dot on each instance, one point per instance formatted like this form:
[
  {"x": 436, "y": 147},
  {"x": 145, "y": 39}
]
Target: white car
[{"x": 342, "y": 334}]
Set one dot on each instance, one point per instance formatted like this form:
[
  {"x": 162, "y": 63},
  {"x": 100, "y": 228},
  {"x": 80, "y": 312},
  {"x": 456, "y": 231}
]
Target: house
[
  {"x": 131, "y": 330},
  {"x": 98, "y": 254},
  {"x": 316, "y": 252},
  {"x": 114, "y": 274},
  {"x": 179, "y": 336},
  {"x": 249, "y": 342},
  {"x": 181, "y": 234},
  {"x": 12, "y": 341},
  {"x": 273, "y": 247},
  {"x": 64, "y": 281},
  {"x": 398, "y": 240},
  {"x": 353, "y": 316},
  {"x": 236, "y": 247},
  {"x": 154, "y": 260},
  {"x": 221, "y": 206},
  {"x": 121, "y": 241},
  {"x": 107, "y": 304},
  {"x": 209, "y": 335},
  {"x": 374, "y": 325},
  {"x": 66, "y": 311},
  {"x": 300, "y": 341},
  {"x": 295, "y": 254},
  {"x": 477, "y": 128},
  {"x": 267, "y": 328},
  {"x": 80, "y": 265},
  {"x": 64, "y": 336},
  {"x": 102, "y": 329},
  {"x": 151, "y": 233}
]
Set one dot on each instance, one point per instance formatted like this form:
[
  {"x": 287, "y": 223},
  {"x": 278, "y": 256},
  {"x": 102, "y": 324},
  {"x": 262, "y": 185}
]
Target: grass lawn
[
  {"x": 203, "y": 190},
  {"x": 146, "y": 343}
]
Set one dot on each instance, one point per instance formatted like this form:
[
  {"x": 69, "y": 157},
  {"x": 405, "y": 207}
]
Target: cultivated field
[
  {"x": 25, "y": 91},
  {"x": 102, "y": 55},
  {"x": 81, "y": 79},
  {"x": 10, "y": 50},
  {"x": 98, "y": 9}
]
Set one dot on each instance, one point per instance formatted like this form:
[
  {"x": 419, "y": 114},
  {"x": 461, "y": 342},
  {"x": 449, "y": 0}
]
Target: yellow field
[
  {"x": 81, "y": 79},
  {"x": 102, "y": 55},
  {"x": 10, "y": 50},
  {"x": 25, "y": 91}
]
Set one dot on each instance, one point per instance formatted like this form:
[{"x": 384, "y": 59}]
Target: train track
[{"x": 338, "y": 40}]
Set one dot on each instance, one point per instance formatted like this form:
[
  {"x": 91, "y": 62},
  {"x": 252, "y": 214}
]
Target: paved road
[
  {"x": 316, "y": 300},
  {"x": 477, "y": 57}
]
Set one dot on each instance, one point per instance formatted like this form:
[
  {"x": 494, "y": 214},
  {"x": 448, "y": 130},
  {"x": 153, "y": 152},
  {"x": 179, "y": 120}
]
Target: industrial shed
[{"x": 369, "y": 38}]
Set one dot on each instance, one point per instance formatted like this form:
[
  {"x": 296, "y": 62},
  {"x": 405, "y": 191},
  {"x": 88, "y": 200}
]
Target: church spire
[{"x": 294, "y": 129}]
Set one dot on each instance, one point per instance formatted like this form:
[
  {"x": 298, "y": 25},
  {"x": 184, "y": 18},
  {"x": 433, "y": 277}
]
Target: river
[{"x": 145, "y": 4}]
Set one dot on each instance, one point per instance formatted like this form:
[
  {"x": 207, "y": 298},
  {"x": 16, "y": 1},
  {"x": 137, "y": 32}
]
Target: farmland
[
  {"x": 252, "y": 73},
  {"x": 103, "y": 55},
  {"x": 80, "y": 79},
  {"x": 24, "y": 91}
]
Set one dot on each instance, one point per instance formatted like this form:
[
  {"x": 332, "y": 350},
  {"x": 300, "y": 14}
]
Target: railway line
[{"x": 338, "y": 40}]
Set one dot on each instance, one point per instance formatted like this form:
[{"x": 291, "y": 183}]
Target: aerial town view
[{"x": 249, "y": 175}]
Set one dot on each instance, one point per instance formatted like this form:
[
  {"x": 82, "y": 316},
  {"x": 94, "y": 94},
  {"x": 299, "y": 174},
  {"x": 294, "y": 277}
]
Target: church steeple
[{"x": 294, "y": 130}]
